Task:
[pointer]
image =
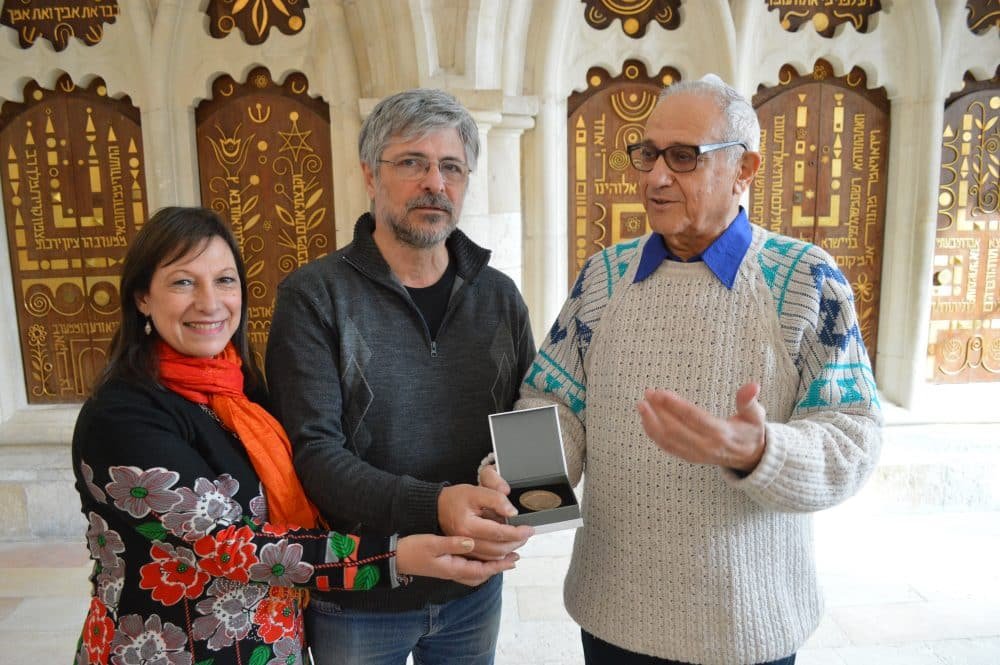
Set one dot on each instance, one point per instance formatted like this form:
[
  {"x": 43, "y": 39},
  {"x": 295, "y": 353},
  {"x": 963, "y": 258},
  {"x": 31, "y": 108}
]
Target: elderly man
[
  {"x": 712, "y": 383},
  {"x": 385, "y": 359}
]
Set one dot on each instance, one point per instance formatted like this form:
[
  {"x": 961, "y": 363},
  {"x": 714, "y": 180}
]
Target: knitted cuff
[{"x": 489, "y": 460}]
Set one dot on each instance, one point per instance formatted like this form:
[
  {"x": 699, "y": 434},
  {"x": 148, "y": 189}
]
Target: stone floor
[{"x": 902, "y": 589}]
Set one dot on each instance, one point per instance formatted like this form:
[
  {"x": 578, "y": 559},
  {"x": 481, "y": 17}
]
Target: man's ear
[
  {"x": 369, "y": 180},
  {"x": 749, "y": 163}
]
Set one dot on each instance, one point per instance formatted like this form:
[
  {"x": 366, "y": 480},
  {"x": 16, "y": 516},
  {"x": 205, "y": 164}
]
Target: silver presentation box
[{"x": 529, "y": 456}]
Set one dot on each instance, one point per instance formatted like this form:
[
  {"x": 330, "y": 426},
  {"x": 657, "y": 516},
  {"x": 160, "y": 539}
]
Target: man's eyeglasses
[
  {"x": 679, "y": 158},
  {"x": 452, "y": 171}
]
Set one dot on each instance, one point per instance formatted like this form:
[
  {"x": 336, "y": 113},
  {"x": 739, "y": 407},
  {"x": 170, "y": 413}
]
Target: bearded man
[{"x": 384, "y": 360}]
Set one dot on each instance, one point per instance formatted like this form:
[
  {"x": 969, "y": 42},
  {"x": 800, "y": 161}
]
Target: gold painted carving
[
  {"x": 58, "y": 21},
  {"x": 255, "y": 18},
  {"x": 825, "y": 15},
  {"x": 964, "y": 339},
  {"x": 982, "y": 15},
  {"x": 74, "y": 196},
  {"x": 635, "y": 15},
  {"x": 605, "y": 206},
  {"x": 825, "y": 146},
  {"x": 263, "y": 156}
]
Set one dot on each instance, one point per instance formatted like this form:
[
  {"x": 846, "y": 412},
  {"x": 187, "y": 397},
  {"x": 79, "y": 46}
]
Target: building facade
[{"x": 254, "y": 108}]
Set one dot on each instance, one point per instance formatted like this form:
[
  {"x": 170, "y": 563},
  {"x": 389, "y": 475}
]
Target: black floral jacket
[{"x": 187, "y": 569}]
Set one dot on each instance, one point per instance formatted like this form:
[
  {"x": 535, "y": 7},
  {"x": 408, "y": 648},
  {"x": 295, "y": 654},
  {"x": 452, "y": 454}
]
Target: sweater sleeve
[
  {"x": 156, "y": 502},
  {"x": 305, "y": 392},
  {"x": 831, "y": 443},
  {"x": 558, "y": 374}
]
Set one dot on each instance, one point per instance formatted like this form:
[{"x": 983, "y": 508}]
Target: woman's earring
[{"x": 149, "y": 326}]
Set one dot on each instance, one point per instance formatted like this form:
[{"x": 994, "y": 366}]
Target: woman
[{"x": 202, "y": 537}]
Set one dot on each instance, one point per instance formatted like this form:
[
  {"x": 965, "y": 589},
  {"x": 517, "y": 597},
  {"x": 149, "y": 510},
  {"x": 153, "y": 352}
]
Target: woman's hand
[{"x": 443, "y": 557}]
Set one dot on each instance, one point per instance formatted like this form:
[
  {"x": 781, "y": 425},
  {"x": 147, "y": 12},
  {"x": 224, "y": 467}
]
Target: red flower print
[
  {"x": 98, "y": 631},
  {"x": 274, "y": 529},
  {"x": 229, "y": 554},
  {"x": 173, "y": 574},
  {"x": 277, "y": 616}
]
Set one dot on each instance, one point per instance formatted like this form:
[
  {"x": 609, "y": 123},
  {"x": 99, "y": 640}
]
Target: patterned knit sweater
[{"x": 692, "y": 562}]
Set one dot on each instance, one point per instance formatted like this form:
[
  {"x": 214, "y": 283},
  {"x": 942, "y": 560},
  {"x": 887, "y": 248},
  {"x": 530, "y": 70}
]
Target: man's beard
[{"x": 424, "y": 237}]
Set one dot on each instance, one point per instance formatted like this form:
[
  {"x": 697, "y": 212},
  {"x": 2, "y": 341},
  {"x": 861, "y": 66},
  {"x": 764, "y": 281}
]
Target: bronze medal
[{"x": 540, "y": 500}]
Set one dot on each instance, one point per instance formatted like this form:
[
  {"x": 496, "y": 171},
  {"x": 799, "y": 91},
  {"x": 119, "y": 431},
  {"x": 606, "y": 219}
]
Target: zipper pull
[{"x": 434, "y": 349}]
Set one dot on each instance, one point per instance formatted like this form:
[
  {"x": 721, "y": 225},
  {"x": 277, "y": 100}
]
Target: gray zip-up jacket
[{"x": 380, "y": 415}]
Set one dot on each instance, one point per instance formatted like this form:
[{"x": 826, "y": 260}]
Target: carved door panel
[
  {"x": 264, "y": 164},
  {"x": 964, "y": 339},
  {"x": 825, "y": 144},
  {"x": 74, "y": 196},
  {"x": 604, "y": 202}
]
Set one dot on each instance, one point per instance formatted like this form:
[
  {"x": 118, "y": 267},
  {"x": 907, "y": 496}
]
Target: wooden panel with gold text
[
  {"x": 604, "y": 202},
  {"x": 964, "y": 339},
  {"x": 264, "y": 165},
  {"x": 74, "y": 194},
  {"x": 825, "y": 148}
]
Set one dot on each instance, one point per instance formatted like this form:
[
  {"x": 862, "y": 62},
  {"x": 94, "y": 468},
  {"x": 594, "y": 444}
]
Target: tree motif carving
[{"x": 264, "y": 163}]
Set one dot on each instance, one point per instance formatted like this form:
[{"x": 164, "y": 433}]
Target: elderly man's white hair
[{"x": 741, "y": 119}]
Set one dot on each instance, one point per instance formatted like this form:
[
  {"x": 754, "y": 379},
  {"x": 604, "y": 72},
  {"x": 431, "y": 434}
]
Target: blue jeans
[
  {"x": 462, "y": 631},
  {"x": 598, "y": 652}
]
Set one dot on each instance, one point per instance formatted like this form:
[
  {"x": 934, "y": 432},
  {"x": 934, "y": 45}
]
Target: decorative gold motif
[
  {"x": 58, "y": 21},
  {"x": 964, "y": 339},
  {"x": 260, "y": 158},
  {"x": 605, "y": 207},
  {"x": 635, "y": 15},
  {"x": 41, "y": 368},
  {"x": 824, "y": 16},
  {"x": 824, "y": 144},
  {"x": 983, "y": 15},
  {"x": 74, "y": 195},
  {"x": 255, "y": 18}
]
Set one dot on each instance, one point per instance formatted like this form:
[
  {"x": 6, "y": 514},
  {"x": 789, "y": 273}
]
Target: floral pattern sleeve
[{"x": 187, "y": 568}]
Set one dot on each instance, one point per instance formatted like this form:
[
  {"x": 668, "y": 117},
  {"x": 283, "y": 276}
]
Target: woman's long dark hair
[{"x": 169, "y": 235}]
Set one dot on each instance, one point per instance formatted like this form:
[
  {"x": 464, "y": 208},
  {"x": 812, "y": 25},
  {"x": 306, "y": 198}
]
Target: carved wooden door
[
  {"x": 825, "y": 144},
  {"x": 74, "y": 196},
  {"x": 264, "y": 164},
  {"x": 604, "y": 202},
  {"x": 964, "y": 339}
]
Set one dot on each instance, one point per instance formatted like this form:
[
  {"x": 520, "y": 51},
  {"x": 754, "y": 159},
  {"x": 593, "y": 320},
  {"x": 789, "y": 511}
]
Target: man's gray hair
[
  {"x": 413, "y": 114},
  {"x": 741, "y": 120}
]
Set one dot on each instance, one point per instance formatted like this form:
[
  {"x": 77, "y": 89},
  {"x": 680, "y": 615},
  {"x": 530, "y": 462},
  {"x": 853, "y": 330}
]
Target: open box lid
[{"x": 528, "y": 446}]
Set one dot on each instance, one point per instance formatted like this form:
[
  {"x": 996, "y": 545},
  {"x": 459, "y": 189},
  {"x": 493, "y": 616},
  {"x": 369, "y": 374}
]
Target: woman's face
[{"x": 195, "y": 302}]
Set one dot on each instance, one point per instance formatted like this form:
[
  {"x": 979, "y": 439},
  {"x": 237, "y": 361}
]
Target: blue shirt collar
[{"x": 723, "y": 257}]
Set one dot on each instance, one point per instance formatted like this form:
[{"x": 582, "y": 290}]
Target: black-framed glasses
[
  {"x": 415, "y": 167},
  {"x": 679, "y": 158}
]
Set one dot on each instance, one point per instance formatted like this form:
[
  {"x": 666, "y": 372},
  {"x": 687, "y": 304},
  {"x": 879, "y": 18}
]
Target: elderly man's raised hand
[
  {"x": 693, "y": 434},
  {"x": 466, "y": 510}
]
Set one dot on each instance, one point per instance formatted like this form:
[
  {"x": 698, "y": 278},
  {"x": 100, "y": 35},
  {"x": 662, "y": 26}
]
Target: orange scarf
[{"x": 218, "y": 382}]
